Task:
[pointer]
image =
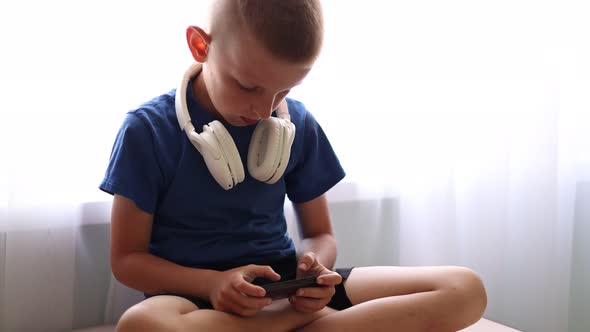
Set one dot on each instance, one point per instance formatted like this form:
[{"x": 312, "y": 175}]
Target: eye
[{"x": 244, "y": 88}]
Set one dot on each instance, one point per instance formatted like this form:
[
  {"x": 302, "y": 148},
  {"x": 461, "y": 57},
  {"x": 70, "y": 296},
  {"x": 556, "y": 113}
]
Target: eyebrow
[{"x": 257, "y": 86}]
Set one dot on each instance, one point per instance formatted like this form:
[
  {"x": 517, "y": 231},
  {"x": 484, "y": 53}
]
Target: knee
[
  {"x": 140, "y": 318},
  {"x": 468, "y": 294}
]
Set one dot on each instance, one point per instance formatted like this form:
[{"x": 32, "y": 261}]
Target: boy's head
[{"x": 254, "y": 52}]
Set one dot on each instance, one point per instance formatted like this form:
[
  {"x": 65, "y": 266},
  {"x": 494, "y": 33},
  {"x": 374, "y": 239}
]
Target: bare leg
[
  {"x": 408, "y": 299},
  {"x": 384, "y": 298},
  {"x": 172, "y": 313}
]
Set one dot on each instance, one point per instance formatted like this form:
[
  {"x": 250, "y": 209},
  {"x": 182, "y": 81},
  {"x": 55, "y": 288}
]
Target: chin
[{"x": 235, "y": 122}]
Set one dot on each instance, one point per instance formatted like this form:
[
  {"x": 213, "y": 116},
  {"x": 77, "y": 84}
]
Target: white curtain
[{"x": 473, "y": 117}]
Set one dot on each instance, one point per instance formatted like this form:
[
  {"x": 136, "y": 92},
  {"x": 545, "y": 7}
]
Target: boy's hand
[
  {"x": 313, "y": 299},
  {"x": 232, "y": 292}
]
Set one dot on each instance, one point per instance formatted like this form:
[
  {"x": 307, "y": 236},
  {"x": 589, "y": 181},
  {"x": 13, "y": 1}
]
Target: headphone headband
[
  {"x": 270, "y": 145},
  {"x": 184, "y": 118},
  {"x": 182, "y": 115}
]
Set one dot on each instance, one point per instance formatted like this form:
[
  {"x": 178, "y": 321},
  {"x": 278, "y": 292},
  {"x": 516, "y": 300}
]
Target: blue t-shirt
[{"x": 197, "y": 223}]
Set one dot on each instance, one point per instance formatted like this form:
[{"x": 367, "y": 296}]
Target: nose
[{"x": 265, "y": 108}]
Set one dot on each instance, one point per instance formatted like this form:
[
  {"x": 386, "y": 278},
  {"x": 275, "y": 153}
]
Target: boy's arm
[
  {"x": 316, "y": 230},
  {"x": 317, "y": 255},
  {"x": 134, "y": 266}
]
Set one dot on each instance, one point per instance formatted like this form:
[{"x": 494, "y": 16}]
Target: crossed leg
[
  {"x": 408, "y": 299},
  {"x": 384, "y": 298},
  {"x": 167, "y": 313}
]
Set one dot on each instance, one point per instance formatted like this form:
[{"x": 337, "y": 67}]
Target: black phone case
[{"x": 283, "y": 289}]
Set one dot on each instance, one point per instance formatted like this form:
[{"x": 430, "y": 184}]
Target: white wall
[{"x": 579, "y": 318}]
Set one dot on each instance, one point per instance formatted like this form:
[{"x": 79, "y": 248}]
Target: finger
[
  {"x": 254, "y": 271},
  {"x": 249, "y": 301},
  {"x": 307, "y": 304},
  {"x": 316, "y": 292},
  {"x": 232, "y": 301},
  {"x": 306, "y": 261},
  {"x": 329, "y": 279},
  {"x": 229, "y": 306},
  {"x": 241, "y": 310},
  {"x": 249, "y": 289},
  {"x": 261, "y": 271}
]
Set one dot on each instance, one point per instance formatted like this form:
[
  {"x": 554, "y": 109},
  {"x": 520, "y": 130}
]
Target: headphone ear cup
[
  {"x": 263, "y": 150},
  {"x": 288, "y": 135},
  {"x": 230, "y": 151},
  {"x": 270, "y": 148},
  {"x": 221, "y": 155}
]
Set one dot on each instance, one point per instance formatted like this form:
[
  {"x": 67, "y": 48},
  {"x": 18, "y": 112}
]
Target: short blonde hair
[{"x": 290, "y": 29}]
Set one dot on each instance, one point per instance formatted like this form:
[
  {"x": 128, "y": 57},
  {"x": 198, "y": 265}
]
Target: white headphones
[{"x": 270, "y": 145}]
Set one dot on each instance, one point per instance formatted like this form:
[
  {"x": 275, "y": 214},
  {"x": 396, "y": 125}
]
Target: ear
[{"x": 198, "y": 43}]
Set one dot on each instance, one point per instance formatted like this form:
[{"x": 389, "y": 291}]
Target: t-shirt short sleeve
[
  {"x": 133, "y": 170},
  {"x": 317, "y": 169}
]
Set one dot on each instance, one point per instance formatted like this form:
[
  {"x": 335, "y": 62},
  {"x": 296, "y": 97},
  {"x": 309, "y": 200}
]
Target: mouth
[{"x": 248, "y": 121}]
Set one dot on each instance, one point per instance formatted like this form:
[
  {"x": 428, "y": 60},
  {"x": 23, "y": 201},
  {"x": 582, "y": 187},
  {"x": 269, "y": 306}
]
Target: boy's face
[{"x": 244, "y": 82}]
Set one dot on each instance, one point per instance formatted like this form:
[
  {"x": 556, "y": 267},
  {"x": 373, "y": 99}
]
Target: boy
[{"x": 193, "y": 231}]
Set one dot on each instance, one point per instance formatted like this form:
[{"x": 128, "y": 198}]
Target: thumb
[
  {"x": 264, "y": 271},
  {"x": 306, "y": 261}
]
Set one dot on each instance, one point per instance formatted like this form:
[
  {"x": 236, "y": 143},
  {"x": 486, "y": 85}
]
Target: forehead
[{"x": 246, "y": 59}]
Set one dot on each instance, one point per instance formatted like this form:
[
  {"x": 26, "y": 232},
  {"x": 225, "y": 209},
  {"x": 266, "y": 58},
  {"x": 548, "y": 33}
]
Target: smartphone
[{"x": 283, "y": 289}]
